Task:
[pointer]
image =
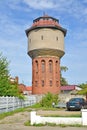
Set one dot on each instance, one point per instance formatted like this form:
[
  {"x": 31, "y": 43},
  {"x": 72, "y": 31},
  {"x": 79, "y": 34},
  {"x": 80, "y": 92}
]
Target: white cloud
[
  {"x": 15, "y": 5},
  {"x": 75, "y": 8},
  {"x": 41, "y": 4}
]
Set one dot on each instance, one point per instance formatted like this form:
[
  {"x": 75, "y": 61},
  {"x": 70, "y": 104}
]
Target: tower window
[
  {"x": 57, "y": 84},
  {"x": 30, "y": 40},
  {"x": 42, "y": 37},
  {"x": 50, "y": 83},
  {"x": 57, "y": 38},
  {"x": 56, "y": 66},
  {"x": 50, "y": 66},
  {"x": 36, "y": 66},
  {"x": 36, "y": 83},
  {"x": 43, "y": 66},
  {"x": 42, "y": 83}
]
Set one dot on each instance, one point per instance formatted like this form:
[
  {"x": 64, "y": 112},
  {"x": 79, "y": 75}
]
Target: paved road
[{"x": 22, "y": 127}]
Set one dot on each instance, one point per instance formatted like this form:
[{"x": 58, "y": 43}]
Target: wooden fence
[{"x": 11, "y": 103}]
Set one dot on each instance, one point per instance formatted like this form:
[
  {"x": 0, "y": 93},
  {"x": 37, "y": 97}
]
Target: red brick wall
[{"x": 47, "y": 78}]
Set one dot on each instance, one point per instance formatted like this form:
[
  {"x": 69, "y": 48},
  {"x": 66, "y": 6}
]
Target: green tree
[
  {"x": 62, "y": 79},
  {"x": 48, "y": 99},
  {"x": 84, "y": 89},
  {"x": 6, "y": 88}
]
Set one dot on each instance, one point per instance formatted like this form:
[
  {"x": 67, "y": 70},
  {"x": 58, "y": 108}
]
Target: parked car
[
  {"x": 76, "y": 104},
  {"x": 60, "y": 105}
]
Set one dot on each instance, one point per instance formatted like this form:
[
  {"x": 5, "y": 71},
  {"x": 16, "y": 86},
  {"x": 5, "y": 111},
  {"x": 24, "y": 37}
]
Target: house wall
[{"x": 65, "y": 97}]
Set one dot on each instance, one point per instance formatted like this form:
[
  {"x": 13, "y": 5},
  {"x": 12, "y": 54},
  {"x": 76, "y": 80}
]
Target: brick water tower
[{"x": 46, "y": 47}]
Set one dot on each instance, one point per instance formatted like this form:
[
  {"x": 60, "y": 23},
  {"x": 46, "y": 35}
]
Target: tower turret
[{"x": 46, "y": 47}]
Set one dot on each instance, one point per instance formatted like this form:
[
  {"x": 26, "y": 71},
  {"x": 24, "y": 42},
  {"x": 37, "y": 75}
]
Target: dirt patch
[
  {"x": 16, "y": 118},
  {"x": 16, "y": 121},
  {"x": 59, "y": 112}
]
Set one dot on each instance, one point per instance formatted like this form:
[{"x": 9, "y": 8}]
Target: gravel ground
[{"x": 16, "y": 122}]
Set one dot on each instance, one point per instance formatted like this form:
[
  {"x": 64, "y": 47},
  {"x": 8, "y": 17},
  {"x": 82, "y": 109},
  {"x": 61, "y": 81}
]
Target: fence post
[
  {"x": 6, "y": 103},
  {"x": 33, "y": 117},
  {"x": 13, "y": 102},
  {"x": 84, "y": 117}
]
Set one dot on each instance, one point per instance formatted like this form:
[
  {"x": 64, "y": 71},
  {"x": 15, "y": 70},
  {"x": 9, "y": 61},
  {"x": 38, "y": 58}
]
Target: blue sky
[{"x": 17, "y": 15}]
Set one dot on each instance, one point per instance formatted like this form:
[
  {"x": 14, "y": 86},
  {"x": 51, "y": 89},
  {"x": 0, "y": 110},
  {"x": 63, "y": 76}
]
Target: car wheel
[{"x": 68, "y": 109}]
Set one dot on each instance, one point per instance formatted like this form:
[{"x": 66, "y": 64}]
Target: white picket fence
[{"x": 11, "y": 103}]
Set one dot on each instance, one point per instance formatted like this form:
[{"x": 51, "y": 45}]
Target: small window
[
  {"x": 30, "y": 40},
  {"x": 42, "y": 37},
  {"x": 36, "y": 83},
  {"x": 57, "y": 38},
  {"x": 57, "y": 83},
  {"x": 42, "y": 83},
  {"x": 50, "y": 83}
]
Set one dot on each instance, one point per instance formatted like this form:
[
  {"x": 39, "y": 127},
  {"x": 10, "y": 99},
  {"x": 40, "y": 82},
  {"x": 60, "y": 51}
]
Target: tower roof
[{"x": 46, "y": 21}]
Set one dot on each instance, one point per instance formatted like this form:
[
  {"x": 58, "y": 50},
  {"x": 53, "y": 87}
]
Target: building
[
  {"x": 25, "y": 90},
  {"x": 14, "y": 80},
  {"x": 73, "y": 89},
  {"x": 46, "y": 47}
]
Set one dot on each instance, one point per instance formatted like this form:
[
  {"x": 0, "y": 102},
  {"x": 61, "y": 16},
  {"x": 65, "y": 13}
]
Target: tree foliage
[
  {"x": 48, "y": 99},
  {"x": 63, "y": 81},
  {"x": 84, "y": 89},
  {"x": 6, "y": 88}
]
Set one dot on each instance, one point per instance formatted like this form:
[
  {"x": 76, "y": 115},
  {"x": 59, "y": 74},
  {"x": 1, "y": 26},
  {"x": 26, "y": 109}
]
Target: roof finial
[{"x": 44, "y": 13}]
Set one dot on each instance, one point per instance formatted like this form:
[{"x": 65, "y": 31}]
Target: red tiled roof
[
  {"x": 45, "y": 21},
  {"x": 22, "y": 88},
  {"x": 29, "y": 88},
  {"x": 68, "y": 87}
]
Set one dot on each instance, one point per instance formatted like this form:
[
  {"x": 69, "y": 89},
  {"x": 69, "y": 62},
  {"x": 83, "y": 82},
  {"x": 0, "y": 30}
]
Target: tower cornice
[
  {"x": 46, "y": 26},
  {"x": 46, "y": 52}
]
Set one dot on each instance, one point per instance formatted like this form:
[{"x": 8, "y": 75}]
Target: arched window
[
  {"x": 36, "y": 63},
  {"x": 56, "y": 66},
  {"x": 43, "y": 66},
  {"x": 50, "y": 66}
]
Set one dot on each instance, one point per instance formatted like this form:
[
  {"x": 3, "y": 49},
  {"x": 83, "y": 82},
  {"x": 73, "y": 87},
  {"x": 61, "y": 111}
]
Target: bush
[{"x": 48, "y": 99}]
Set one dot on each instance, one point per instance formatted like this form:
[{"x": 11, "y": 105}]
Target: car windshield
[{"x": 76, "y": 99}]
